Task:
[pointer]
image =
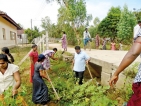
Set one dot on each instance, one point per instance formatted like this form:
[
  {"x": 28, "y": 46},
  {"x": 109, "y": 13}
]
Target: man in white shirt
[
  {"x": 137, "y": 30},
  {"x": 86, "y": 38},
  {"x": 79, "y": 63}
]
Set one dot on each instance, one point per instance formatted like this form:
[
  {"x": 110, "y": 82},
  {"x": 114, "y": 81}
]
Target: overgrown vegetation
[{"x": 70, "y": 93}]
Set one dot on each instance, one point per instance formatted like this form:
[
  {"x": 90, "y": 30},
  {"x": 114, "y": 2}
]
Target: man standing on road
[
  {"x": 79, "y": 63},
  {"x": 86, "y": 38}
]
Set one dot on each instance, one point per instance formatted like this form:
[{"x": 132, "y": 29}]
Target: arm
[
  {"x": 62, "y": 37},
  {"x": 52, "y": 57},
  {"x": 18, "y": 82},
  {"x": 43, "y": 74},
  {"x": 132, "y": 54}
]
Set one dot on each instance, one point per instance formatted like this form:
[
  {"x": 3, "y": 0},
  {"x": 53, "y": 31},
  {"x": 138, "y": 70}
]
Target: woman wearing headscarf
[{"x": 40, "y": 90}]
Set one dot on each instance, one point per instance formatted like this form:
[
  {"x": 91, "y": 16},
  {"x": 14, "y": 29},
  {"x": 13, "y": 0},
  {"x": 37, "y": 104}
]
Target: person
[
  {"x": 49, "y": 54},
  {"x": 104, "y": 44},
  {"x": 79, "y": 63},
  {"x": 120, "y": 45},
  {"x": 86, "y": 38},
  {"x": 97, "y": 41},
  {"x": 113, "y": 45},
  {"x": 131, "y": 55},
  {"x": 9, "y": 76},
  {"x": 40, "y": 90},
  {"x": 6, "y": 51},
  {"x": 33, "y": 58},
  {"x": 137, "y": 30},
  {"x": 64, "y": 42}
]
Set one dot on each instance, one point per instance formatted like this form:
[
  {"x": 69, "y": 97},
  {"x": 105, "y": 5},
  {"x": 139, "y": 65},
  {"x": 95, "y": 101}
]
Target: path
[{"x": 109, "y": 56}]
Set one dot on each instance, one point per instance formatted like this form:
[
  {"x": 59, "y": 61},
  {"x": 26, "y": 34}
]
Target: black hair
[
  {"x": 54, "y": 49},
  {"x": 34, "y": 45},
  {"x": 3, "y": 57},
  {"x": 139, "y": 22},
  {"x": 64, "y": 32},
  {"x": 6, "y": 51},
  {"x": 77, "y": 47}
]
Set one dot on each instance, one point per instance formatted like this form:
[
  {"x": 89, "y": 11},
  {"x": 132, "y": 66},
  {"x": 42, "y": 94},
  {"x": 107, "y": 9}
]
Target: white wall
[{"x": 8, "y": 27}]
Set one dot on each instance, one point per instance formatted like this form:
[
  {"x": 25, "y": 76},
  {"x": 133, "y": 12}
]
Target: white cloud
[
  {"x": 22, "y": 11},
  {"x": 99, "y": 9}
]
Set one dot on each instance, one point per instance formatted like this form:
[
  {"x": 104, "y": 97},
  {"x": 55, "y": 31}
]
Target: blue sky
[{"x": 22, "y": 11}]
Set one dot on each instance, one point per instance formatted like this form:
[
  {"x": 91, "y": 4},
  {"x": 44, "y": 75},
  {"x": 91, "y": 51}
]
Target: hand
[
  {"x": 87, "y": 62},
  {"x": 14, "y": 92},
  {"x": 113, "y": 80}
]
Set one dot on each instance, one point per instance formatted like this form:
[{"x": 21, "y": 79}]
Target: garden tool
[
  {"x": 90, "y": 72},
  {"x": 52, "y": 86}
]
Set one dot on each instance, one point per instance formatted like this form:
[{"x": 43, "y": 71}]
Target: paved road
[{"x": 109, "y": 56}]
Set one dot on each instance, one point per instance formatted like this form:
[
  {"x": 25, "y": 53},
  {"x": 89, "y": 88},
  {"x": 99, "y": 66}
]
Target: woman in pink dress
[
  {"x": 49, "y": 54},
  {"x": 33, "y": 58},
  {"x": 97, "y": 41},
  {"x": 113, "y": 46},
  {"x": 64, "y": 42}
]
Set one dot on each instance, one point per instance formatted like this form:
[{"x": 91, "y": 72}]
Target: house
[
  {"x": 21, "y": 37},
  {"x": 8, "y": 30}
]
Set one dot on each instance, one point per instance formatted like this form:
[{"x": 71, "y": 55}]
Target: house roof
[
  {"x": 19, "y": 32},
  {"x": 9, "y": 19}
]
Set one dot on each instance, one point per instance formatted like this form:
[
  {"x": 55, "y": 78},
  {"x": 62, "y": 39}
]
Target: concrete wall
[{"x": 8, "y": 27}]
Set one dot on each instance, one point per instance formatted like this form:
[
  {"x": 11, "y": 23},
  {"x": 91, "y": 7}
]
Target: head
[
  {"x": 64, "y": 32},
  {"x": 41, "y": 58},
  {"x": 77, "y": 49},
  {"x": 5, "y": 50},
  {"x": 55, "y": 50},
  {"x": 34, "y": 47},
  {"x": 86, "y": 29},
  {"x": 139, "y": 22},
  {"x": 3, "y": 61}
]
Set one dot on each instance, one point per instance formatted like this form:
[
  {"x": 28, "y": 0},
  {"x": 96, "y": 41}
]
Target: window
[
  {"x": 3, "y": 32},
  {"x": 12, "y": 35}
]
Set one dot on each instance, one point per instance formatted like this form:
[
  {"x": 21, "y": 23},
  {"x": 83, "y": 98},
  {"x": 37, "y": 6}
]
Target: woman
[
  {"x": 132, "y": 54},
  {"x": 104, "y": 44},
  {"x": 113, "y": 45},
  {"x": 5, "y": 51},
  {"x": 97, "y": 41},
  {"x": 9, "y": 76},
  {"x": 64, "y": 42},
  {"x": 33, "y": 58},
  {"x": 49, "y": 54},
  {"x": 40, "y": 90}
]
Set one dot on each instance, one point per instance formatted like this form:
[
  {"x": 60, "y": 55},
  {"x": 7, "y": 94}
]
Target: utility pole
[{"x": 31, "y": 29}]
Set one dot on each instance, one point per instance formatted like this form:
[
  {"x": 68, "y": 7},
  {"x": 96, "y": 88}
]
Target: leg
[
  {"x": 80, "y": 74},
  {"x": 76, "y": 76}
]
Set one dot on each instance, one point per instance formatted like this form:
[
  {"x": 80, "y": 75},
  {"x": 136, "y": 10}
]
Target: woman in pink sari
[
  {"x": 49, "y": 54},
  {"x": 113, "y": 46},
  {"x": 64, "y": 42}
]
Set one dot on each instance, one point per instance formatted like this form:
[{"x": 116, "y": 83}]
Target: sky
[{"x": 22, "y": 11}]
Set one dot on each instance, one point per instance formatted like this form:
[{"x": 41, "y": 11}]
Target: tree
[
  {"x": 35, "y": 33},
  {"x": 96, "y": 21},
  {"x": 126, "y": 24},
  {"x": 73, "y": 14},
  {"x": 108, "y": 26},
  {"x": 137, "y": 13}
]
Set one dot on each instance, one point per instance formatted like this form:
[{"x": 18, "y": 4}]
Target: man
[
  {"x": 79, "y": 63},
  {"x": 137, "y": 30},
  {"x": 86, "y": 38},
  {"x": 131, "y": 55}
]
